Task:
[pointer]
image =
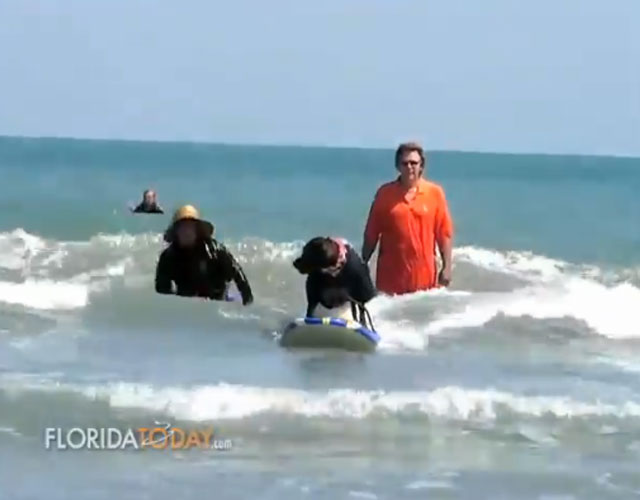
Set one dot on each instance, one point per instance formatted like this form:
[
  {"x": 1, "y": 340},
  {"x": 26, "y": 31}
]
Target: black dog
[{"x": 336, "y": 275}]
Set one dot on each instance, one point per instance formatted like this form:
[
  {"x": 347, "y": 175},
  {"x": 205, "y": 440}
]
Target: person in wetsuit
[
  {"x": 336, "y": 276},
  {"x": 149, "y": 204},
  {"x": 195, "y": 264}
]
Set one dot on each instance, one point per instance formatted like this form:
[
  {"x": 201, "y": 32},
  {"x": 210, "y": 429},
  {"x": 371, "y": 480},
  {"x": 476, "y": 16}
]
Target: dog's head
[{"x": 319, "y": 253}]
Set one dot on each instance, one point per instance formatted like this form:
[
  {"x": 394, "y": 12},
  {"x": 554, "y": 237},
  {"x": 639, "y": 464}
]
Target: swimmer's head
[{"x": 149, "y": 197}]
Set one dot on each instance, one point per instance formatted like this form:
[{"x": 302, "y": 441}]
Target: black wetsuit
[
  {"x": 353, "y": 283},
  {"x": 144, "y": 209},
  {"x": 203, "y": 271}
]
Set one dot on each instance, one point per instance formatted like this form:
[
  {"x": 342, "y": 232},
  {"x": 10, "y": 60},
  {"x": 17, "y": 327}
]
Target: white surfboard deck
[{"x": 329, "y": 333}]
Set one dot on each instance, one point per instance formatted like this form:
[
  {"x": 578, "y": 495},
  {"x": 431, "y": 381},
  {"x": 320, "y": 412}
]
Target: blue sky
[{"x": 492, "y": 75}]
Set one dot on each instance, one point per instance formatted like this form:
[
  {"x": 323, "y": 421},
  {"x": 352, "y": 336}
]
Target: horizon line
[{"x": 200, "y": 142}]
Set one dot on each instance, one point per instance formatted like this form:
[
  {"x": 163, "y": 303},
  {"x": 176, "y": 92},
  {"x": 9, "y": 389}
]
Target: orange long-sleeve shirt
[{"x": 408, "y": 225}]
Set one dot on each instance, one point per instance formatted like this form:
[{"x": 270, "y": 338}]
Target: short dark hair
[
  {"x": 409, "y": 147},
  {"x": 319, "y": 253}
]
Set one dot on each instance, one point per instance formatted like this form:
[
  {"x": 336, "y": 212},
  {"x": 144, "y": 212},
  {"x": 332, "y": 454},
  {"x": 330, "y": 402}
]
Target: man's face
[
  {"x": 187, "y": 233},
  {"x": 149, "y": 197},
  {"x": 410, "y": 167}
]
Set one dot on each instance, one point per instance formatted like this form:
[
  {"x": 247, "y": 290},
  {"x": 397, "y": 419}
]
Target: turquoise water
[
  {"x": 557, "y": 206},
  {"x": 521, "y": 381}
]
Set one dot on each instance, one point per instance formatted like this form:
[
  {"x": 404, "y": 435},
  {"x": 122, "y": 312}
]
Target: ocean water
[{"x": 520, "y": 381}]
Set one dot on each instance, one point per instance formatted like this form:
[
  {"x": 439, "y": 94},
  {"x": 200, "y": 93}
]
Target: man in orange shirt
[{"x": 409, "y": 217}]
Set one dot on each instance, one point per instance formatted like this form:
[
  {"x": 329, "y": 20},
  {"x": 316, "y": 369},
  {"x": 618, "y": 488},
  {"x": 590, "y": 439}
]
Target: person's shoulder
[
  {"x": 167, "y": 253},
  {"x": 387, "y": 190},
  {"x": 388, "y": 186},
  {"x": 218, "y": 248},
  {"x": 216, "y": 245},
  {"x": 432, "y": 188}
]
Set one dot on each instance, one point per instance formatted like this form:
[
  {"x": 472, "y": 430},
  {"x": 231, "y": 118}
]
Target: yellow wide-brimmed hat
[{"x": 189, "y": 212}]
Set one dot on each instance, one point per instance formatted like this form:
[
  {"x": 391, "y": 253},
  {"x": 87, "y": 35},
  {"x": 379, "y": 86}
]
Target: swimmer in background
[{"x": 149, "y": 204}]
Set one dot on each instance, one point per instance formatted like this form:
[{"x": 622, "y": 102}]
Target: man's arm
[
  {"x": 372, "y": 230},
  {"x": 445, "y": 246},
  {"x": 236, "y": 273},
  {"x": 367, "y": 249},
  {"x": 444, "y": 240},
  {"x": 163, "y": 277}
]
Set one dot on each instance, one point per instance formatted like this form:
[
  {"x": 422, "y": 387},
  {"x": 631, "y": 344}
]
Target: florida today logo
[{"x": 161, "y": 436}]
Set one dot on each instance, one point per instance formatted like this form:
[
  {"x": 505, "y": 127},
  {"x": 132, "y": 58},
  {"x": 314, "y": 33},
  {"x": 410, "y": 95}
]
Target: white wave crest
[
  {"x": 47, "y": 295},
  {"x": 610, "y": 311},
  {"x": 223, "y": 401},
  {"x": 17, "y": 247},
  {"x": 50, "y": 274},
  {"x": 522, "y": 264},
  {"x": 398, "y": 334},
  {"x": 252, "y": 249},
  {"x": 228, "y": 401},
  {"x": 555, "y": 290}
]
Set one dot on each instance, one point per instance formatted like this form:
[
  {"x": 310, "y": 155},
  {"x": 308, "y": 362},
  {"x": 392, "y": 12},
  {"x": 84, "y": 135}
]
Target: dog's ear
[{"x": 302, "y": 266}]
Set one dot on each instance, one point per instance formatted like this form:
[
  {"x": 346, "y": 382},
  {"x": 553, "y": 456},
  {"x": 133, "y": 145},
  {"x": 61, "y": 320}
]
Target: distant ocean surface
[{"x": 520, "y": 381}]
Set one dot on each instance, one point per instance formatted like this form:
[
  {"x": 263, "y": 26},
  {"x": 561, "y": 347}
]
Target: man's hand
[
  {"x": 444, "y": 278},
  {"x": 247, "y": 299},
  {"x": 446, "y": 250},
  {"x": 367, "y": 250}
]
